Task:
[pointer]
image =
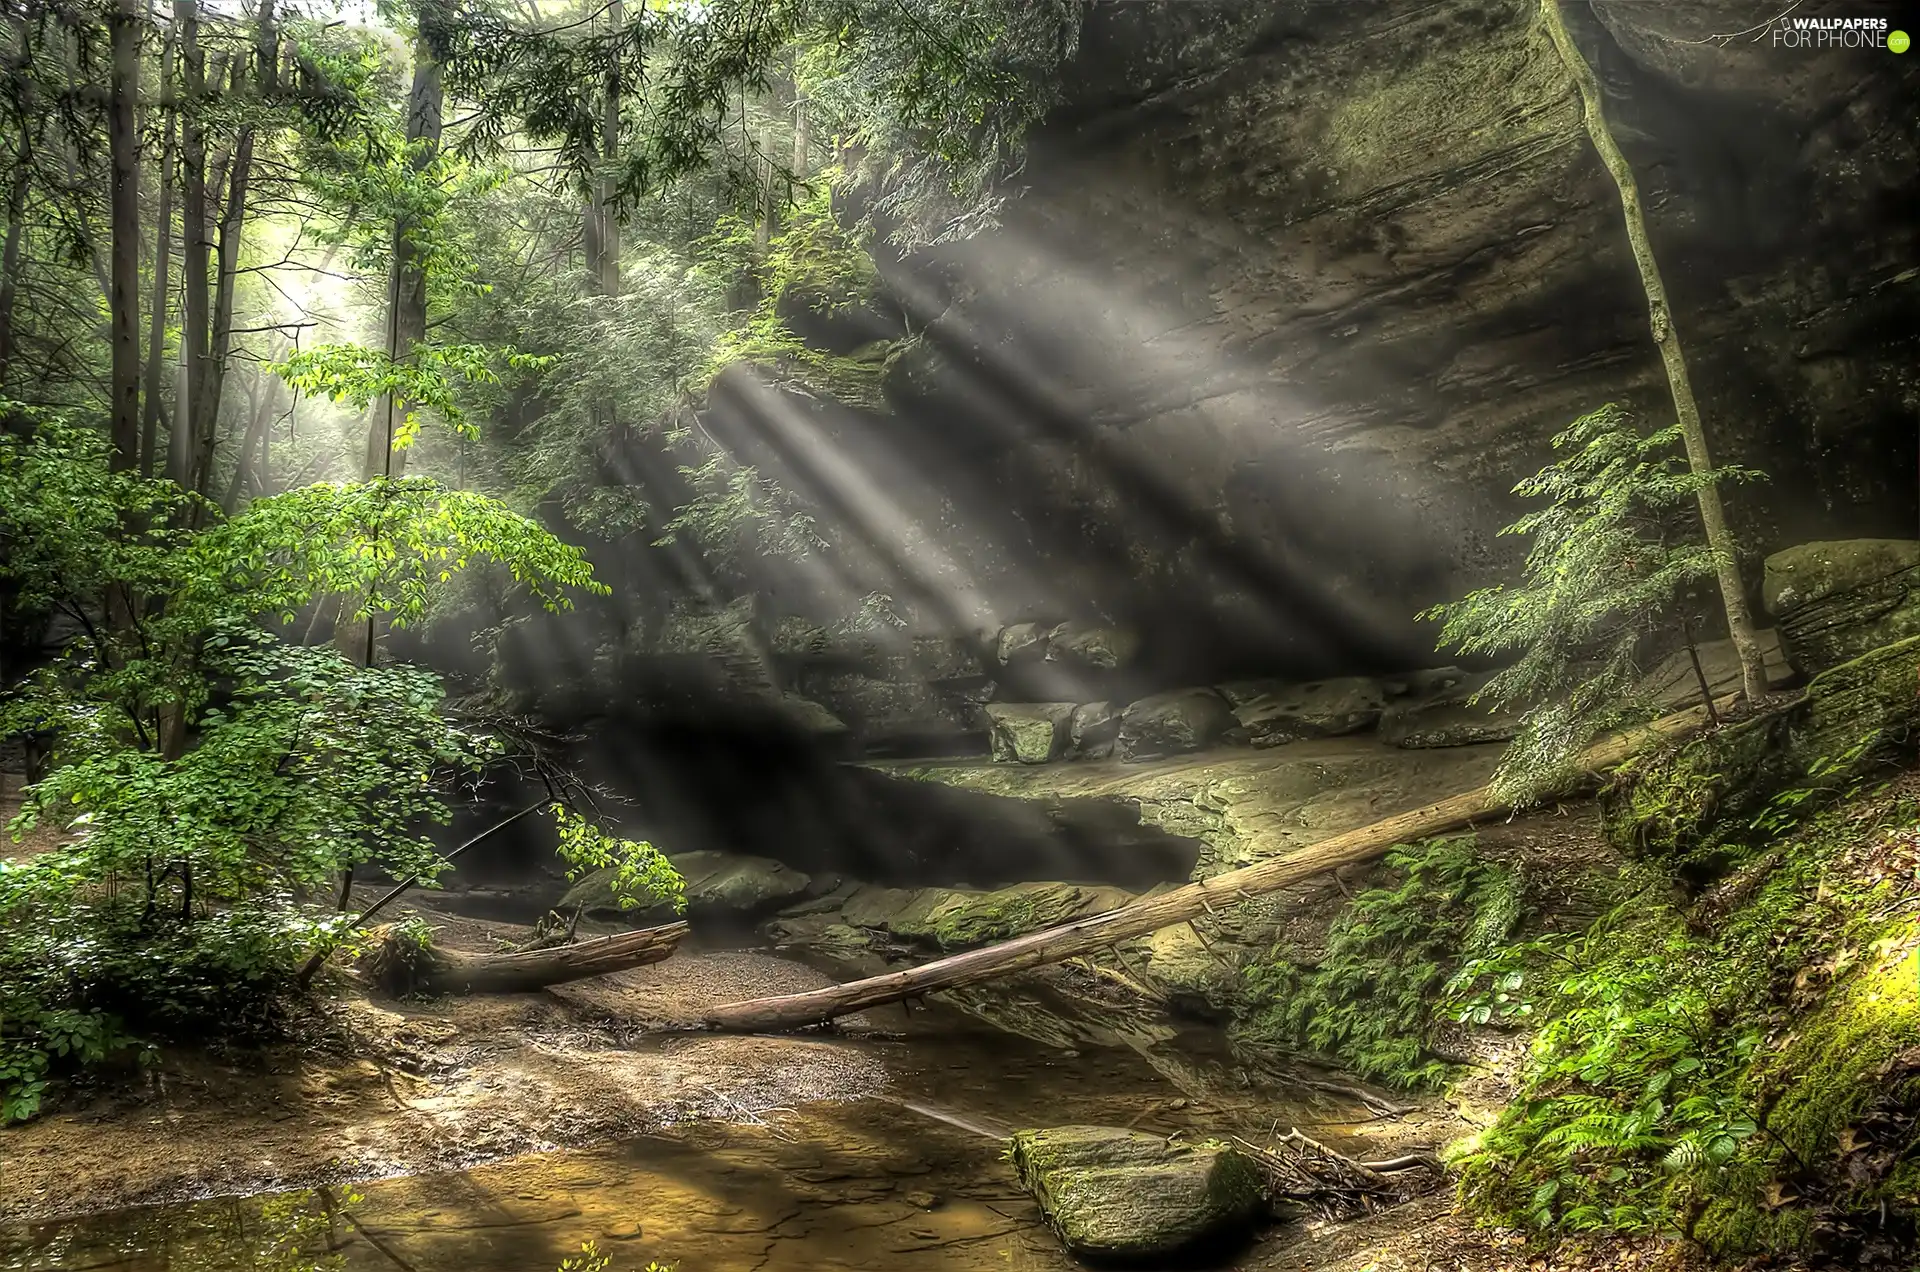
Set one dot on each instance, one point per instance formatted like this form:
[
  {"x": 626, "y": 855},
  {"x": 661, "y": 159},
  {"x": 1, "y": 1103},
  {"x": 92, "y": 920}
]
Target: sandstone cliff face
[{"x": 1299, "y": 289}]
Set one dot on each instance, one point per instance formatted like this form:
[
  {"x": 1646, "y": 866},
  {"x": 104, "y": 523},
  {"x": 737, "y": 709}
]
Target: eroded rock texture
[{"x": 1298, "y": 290}]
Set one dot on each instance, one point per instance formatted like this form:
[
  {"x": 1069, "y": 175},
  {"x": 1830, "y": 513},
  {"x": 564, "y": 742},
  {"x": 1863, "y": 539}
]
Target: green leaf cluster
[
  {"x": 1613, "y": 555},
  {"x": 203, "y": 770}
]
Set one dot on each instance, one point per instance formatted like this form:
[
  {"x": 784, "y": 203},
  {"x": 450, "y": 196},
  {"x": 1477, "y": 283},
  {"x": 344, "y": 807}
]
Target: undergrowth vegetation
[
  {"x": 1744, "y": 1072},
  {"x": 1372, "y": 998}
]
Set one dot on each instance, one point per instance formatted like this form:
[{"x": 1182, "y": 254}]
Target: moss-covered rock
[
  {"x": 1027, "y": 732},
  {"x": 954, "y": 918},
  {"x": 1837, "y": 600},
  {"x": 1690, "y": 803},
  {"x": 1172, "y": 723},
  {"x": 1119, "y": 1194},
  {"x": 718, "y": 883}
]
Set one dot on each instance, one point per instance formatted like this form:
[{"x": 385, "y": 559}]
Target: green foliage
[
  {"x": 1612, "y": 557},
  {"x": 205, "y": 771},
  {"x": 940, "y": 99},
  {"x": 814, "y": 264},
  {"x": 88, "y": 975},
  {"x": 1699, "y": 1082},
  {"x": 430, "y": 376},
  {"x": 639, "y": 874},
  {"x": 731, "y": 501},
  {"x": 387, "y": 542},
  {"x": 1369, "y": 1002},
  {"x": 591, "y": 1260}
]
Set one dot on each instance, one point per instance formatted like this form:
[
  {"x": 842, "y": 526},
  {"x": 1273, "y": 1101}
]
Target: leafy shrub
[
  {"x": 1690, "y": 1083},
  {"x": 1371, "y": 999},
  {"x": 82, "y": 981}
]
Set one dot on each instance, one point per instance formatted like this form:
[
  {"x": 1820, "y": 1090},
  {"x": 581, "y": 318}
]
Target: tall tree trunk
[
  {"x": 406, "y": 311},
  {"x": 124, "y": 203},
  {"x": 610, "y": 158},
  {"x": 407, "y": 287},
  {"x": 1713, "y": 515},
  {"x": 157, "y": 314},
  {"x": 17, "y": 187},
  {"x": 195, "y": 301},
  {"x": 233, "y": 221},
  {"x": 802, "y": 136}
]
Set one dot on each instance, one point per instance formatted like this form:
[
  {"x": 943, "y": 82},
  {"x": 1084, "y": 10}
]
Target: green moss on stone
[
  {"x": 1123, "y": 1194},
  {"x": 1695, "y": 805}
]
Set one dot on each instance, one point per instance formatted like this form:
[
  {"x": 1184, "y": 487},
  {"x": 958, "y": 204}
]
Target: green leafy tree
[
  {"x": 205, "y": 771},
  {"x": 1613, "y": 558}
]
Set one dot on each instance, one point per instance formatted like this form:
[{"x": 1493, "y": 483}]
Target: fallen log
[
  {"x": 401, "y": 964},
  {"x": 1150, "y": 914}
]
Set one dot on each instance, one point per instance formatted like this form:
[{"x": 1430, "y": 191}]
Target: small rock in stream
[{"x": 1123, "y": 1194}]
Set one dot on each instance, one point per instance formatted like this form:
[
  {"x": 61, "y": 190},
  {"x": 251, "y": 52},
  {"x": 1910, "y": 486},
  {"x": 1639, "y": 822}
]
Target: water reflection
[{"x": 913, "y": 1179}]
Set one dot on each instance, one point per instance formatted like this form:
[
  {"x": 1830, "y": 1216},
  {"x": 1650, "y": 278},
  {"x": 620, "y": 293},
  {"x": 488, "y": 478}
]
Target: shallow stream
[{"x": 912, "y": 1178}]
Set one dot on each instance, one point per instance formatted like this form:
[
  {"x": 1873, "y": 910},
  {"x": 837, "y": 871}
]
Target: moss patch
[
  {"x": 1120, "y": 1194},
  {"x": 1754, "y": 1084},
  {"x": 1707, "y": 804}
]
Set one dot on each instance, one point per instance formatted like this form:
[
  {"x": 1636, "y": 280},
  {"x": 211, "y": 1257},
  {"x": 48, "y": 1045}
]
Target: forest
[{"x": 957, "y": 634}]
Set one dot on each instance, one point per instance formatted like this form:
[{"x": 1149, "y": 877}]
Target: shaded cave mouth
[{"x": 689, "y": 785}]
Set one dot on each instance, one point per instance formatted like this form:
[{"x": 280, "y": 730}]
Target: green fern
[{"x": 1370, "y": 1003}]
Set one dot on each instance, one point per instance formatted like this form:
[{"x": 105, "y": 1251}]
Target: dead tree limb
[
  {"x": 319, "y": 956},
  {"x": 402, "y": 965},
  {"x": 1299, "y": 1168},
  {"x": 1150, "y": 914}
]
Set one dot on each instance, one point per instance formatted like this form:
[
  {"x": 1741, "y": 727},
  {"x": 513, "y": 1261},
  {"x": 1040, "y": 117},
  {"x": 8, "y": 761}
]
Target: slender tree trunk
[
  {"x": 157, "y": 314},
  {"x": 263, "y": 399},
  {"x": 233, "y": 221},
  {"x": 124, "y": 203},
  {"x": 407, "y": 288},
  {"x": 194, "y": 298},
  {"x": 802, "y": 136},
  {"x": 1166, "y": 909},
  {"x": 406, "y": 316},
  {"x": 610, "y": 158},
  {"x": 17, "y": 187},
  {"x": 1713, "y": 516}
]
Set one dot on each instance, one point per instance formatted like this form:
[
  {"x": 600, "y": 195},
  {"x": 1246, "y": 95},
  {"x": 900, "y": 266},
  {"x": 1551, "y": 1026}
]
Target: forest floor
[
  {"x": 371, "y": 1089},
  {"x": 374, "y": 1088}
]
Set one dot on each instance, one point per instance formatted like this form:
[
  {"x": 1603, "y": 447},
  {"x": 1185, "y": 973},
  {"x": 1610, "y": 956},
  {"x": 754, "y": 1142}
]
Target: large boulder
[
  {"x": 1172, "y": 724},
  {"x": 1836, "y": 600},
  {"x": 1445, "y": 715},
  {"x": 1093, "y": 647},
  {"x": 1277, "y": 712},
  {"x": 1092, "y": 729},
  {"x": 718, "y": 883},
  {"x": 1120, "y": 1194},
  {"x": 1027, "y": 732}
]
